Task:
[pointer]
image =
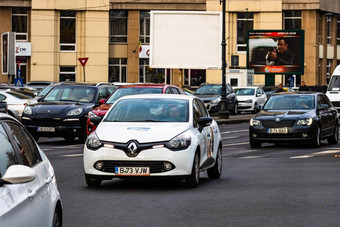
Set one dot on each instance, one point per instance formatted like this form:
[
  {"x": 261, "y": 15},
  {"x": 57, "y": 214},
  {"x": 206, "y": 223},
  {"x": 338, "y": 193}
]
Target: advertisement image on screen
[{"x": 275, "y": 51}]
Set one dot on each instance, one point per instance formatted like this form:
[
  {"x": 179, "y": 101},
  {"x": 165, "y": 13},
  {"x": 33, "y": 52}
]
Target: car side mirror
[
  {"x": 204, "y": 122},
  {"x": 17, "y": 174},
  {"x": 39, "y": 99},
  {"x": 102, "y": 101},
  {"x": 95, "y": 120}
]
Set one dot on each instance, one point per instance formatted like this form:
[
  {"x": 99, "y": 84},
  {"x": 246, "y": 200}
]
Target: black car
[
  {"x": 306, "y": 117},
  {"x": 63, "y": 111},
  {"x": 3, "y": 104},
  {"x": 210, "y": 94}
]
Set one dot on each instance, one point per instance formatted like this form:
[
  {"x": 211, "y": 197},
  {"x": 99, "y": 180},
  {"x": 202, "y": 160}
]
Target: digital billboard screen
[{"x": 275, "y": 51}]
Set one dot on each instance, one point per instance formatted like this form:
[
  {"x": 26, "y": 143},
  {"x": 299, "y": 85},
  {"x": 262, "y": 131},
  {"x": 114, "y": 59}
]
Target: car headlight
[
  {"x": 75, "y": 112},
  {"x": 307, "y": 121},
  {"x": 91, "y": 114},
  {"x": 181, "y": 141},
  {"x": 93, "y": 142},
  {"x": 28, "y": 110},
  {"x": 249, "y": 101},
  {"x": 254, "y": 122},
  {"x": 216, "y": 100}
]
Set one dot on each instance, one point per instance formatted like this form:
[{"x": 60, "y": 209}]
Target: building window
[
  {"x": 144, "y": 33},
  {"x": 19, "y": 23},
  {"x": 292, "y": 20},
  {"x": 67, "y": 73},
  {"x": 68, "y": 31},
  {"x": 245, "y": 21},
  {"x": 194, "y": 77},
  {"x": 338, "y": 31},
  {"x": 329, "y": 29},
  {"x": 117, "y": 69},
  {"x": 118, "y": 26},
  {"x": 149, "y": 75},
  {"x": 329, "y": 73}
]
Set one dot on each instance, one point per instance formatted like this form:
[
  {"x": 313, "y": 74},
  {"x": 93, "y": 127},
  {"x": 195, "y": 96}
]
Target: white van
[{"x": 333, "y": 91}]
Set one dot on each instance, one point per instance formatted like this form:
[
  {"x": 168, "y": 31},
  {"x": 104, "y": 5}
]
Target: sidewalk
[{"x": 233, "y": 119}]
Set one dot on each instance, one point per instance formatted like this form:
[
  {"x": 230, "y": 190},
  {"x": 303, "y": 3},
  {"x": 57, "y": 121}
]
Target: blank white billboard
[{"x": 186, "y": 39}]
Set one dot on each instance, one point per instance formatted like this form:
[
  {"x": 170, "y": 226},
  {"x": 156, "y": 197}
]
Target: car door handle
[{"x": 48, "y": 180}]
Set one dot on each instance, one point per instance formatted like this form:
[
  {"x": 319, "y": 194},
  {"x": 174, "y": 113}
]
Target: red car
[{"x": 133, "y": 89}]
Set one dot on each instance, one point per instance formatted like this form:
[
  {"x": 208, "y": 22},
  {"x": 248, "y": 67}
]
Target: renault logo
[
  {"x": 277, "y": 119},
  {"x": 132, "y": 148}
]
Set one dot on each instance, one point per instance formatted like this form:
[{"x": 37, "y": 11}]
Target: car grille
[
  {"x": 282, "y": 136},
  {"x": 53, "y": 122},
  {"x": 281, "y": 124},
  {"x": 155, "y": 166},
  {"x": 206, "y": 101}
]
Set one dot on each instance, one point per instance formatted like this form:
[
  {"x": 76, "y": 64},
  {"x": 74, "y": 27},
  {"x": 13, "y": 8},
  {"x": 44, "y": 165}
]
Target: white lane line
[
  {"x": 230, "y": 137},
  {"x": 46, "y": 149},
  {"x": 317, "y": 154},
  {"x": 235, "y": 144},
  {"x": 251, "y": 157},
  {"x": 72, "y": 155},
  {"x": 246, "y": 130}
]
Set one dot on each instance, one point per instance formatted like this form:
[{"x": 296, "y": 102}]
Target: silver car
[{"x": 15, "y": 102}]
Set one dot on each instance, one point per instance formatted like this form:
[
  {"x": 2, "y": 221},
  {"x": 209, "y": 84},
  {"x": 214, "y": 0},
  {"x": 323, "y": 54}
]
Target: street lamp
[{"x": 223, "y": 111}]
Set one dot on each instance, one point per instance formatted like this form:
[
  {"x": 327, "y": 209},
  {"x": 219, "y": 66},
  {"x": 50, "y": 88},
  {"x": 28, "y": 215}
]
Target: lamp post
[{"x": 223, "y": 111}]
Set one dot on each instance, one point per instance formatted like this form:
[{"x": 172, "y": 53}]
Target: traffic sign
[
  {"x": 18, "y": 82},
  {"x": 83, "y": 61}
]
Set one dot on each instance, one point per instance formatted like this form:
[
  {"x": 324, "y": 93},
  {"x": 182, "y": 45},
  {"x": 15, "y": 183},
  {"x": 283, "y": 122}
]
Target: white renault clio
[
  {"x": 28, "y": 189},
  {"x": 154, "y": 136}
]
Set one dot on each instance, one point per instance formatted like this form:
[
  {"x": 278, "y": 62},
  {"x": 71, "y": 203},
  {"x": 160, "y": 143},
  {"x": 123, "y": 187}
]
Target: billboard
[
  {"x": 185, "y": 39},
  {"x": 276, "y": 51}
]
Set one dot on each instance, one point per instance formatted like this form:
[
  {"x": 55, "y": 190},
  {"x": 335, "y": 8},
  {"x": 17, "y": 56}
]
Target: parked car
[
  {"x": 3, "y": 104},
  {"x": 132, "y": 89},
  {"x": 154, "y": 135},
  {"x": 250, "y": 98},
  {"x": 28, "y": 189},
  {"x": 15, "y": 102},
  {"x": 211, "y": 96},
  {"x": 38, "y": 85},
  {"x": 269, "y": 90},
  {"x": 22, "y": 90},
  {"x": 304, "y": 117},
  {"x": 63, "y": 111}
]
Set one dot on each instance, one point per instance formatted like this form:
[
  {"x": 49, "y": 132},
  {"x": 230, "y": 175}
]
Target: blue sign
[
  {"x": 19, "y": 82},
  {"x": 291, "y": 81}
]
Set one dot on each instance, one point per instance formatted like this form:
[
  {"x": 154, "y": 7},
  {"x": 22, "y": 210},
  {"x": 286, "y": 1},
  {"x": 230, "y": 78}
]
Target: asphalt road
[{"x": 287, "y": 185}]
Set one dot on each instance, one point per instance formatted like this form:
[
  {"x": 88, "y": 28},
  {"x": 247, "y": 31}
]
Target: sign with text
[
  {"x": 83, "y": 61},
  {"x": 276, "y": 51},
  {"x": 23, "y": 49}
]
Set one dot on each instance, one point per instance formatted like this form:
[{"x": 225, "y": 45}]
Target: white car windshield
[
  {"x": 149, "y": 110},
  {"x": 244, "y": 91},
  {"x": 290, "y": 102}
]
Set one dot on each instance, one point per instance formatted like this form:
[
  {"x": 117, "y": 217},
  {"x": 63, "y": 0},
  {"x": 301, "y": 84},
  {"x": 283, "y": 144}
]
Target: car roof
[
  {"x": 159, "y": 96},
  {"x": 254, "y": 87},
  {"x": 145, "y": 85},
  {"x": 312, "y": 93},
  {"x": 65, "y": 83}
]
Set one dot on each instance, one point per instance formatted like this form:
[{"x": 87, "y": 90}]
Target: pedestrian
[
  {"x": 280, "y": 89},
  {"x": 303, "y": 86}
]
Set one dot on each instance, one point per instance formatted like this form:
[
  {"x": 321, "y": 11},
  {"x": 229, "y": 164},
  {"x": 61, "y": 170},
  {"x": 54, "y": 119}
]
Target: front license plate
[
  {"x": 132, "y": 171},
  {"x": 277, "y": 130},
  {"x": 46, "y": 129}
]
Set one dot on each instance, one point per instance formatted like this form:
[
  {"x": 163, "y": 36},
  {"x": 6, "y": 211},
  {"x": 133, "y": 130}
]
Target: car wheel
[
  {"x": 92, "y": 182},
  {"x": 255, "y": 144},
  {"x": 335, "y": 137},
  {"x": 235, "y": 110},
  {"x": 316, "y": 141},
  {"x": 193, "y": 180},
  {"x": 215, "y": 171},
  {"x": 57, "y": 222},
  {"x": 255, "y": 110}
]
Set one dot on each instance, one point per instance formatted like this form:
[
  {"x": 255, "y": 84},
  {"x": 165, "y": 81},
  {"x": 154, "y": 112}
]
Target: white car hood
[
  {"x": 142, "y": 132},
  {"x": 245, "y": 97}
]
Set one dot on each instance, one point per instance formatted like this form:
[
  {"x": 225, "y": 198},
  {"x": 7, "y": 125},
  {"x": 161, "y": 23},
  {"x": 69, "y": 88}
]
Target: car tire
[
  {"x": 255, "y": 110},
  {"x": 335, "y": 137},
  {"x": 255, "y": 144},
  {"x": 57, "y": 220},
  {"x": 235, "y": 109},
  {"x": 316, "y": 141},
  {"x": 92, "y": 182},
  {"x": 193, "y": 180},
  {"x": 216, "y": 171}
]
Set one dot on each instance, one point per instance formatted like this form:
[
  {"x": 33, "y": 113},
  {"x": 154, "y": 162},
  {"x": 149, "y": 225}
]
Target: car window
[
  {"x": 7, "y": 154},
  {"x": 174, "y": 90},
  {"x": 2, "y": 97},
  {"x": 196, "y": 112},
  {"x": 204, "y": 112},
  {"x": 45, "y": 91},
  {"x": 28, "y": 153},
  {"x": 323, "y": 100},
  {"x": 168, "y": 91}
]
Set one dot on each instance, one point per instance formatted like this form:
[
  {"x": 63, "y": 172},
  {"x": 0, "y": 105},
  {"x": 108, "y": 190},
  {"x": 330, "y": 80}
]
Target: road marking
[
  {"x": 230, "y": 137},
  {"x": 251, "y": 157},
  {"x": 246, "y": 130},
  {"x": 235, "y": 144},
  {"x": 72, "y": 155},
  {"x": 46, "y": 149},
  {"x": 317, "y": 154}
]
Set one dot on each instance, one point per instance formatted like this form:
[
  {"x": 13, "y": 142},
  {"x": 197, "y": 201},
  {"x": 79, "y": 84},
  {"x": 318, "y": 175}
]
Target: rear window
[{"x": 120, "y": 92}]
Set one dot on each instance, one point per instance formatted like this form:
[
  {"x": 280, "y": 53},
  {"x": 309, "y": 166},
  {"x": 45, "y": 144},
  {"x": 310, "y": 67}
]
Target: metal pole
[
  {"x": 223, "y": 111},
  {"x": 84, "y": 73}
]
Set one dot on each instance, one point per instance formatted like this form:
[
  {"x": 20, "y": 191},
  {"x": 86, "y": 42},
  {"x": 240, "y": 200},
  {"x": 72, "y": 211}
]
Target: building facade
[{"x": 115, "y": 35}]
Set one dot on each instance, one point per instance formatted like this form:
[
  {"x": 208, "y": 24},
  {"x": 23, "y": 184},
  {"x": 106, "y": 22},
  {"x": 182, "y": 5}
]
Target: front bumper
[{"x": 154, "y": 158}]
